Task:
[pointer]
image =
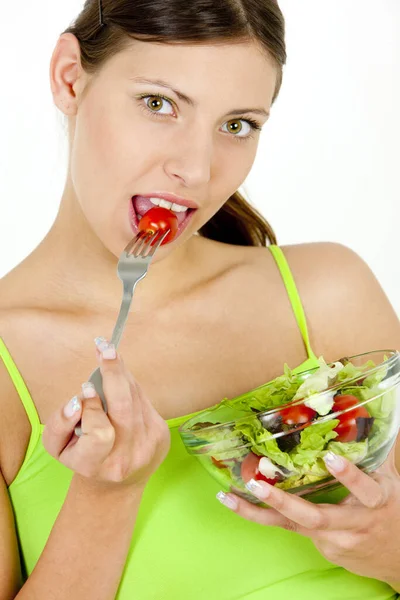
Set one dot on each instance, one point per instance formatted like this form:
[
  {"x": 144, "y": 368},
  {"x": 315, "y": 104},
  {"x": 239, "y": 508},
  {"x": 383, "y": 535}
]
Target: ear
[{"x": 67, "y": 77}]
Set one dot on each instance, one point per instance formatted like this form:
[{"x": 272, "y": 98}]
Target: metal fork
[{"x": 132, "y": 268}]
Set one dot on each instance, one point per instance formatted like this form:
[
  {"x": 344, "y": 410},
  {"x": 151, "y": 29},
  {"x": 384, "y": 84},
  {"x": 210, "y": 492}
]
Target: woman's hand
[
  {"x": 124, "y": 446},
  {"x": 361, "y": 533}
]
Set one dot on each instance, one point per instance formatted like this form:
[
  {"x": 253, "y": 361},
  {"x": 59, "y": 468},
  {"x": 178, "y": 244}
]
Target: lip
[
  {"x": 171, "y": 198},
  {"x": 134, "y": 222}
]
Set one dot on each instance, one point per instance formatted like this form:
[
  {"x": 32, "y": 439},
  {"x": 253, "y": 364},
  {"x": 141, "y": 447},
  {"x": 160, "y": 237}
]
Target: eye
[
  {"x": 240, "y": 127},
  {"x": 156, "y": 104}
]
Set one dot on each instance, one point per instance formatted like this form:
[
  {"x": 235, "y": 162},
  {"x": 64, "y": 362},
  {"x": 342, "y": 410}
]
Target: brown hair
[{"x": 193, "y": 21}]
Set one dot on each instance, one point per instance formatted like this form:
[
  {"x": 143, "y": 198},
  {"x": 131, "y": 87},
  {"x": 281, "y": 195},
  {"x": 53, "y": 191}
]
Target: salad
[{"x": 281, "y": 431}]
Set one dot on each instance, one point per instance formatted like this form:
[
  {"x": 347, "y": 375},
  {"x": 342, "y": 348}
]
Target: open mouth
[{"x": 140, "y": 205}]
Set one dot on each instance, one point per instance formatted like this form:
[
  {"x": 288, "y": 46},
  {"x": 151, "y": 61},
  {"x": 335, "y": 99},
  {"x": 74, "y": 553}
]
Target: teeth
[
  {"x": 179, "y": 208},
  {"x": 169, "y": 205},
  {"x": 165, "y": 204}
]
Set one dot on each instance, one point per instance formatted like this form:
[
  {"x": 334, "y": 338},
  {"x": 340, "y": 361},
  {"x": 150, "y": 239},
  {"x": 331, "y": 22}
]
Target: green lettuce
[
  {"x": 353, "y": 451},
  {"x": 313, "y": 440},
  {"x": 263, "y": 443},
  {"x": 383, "y": 406},
  {"x": 275, "y": 393}
]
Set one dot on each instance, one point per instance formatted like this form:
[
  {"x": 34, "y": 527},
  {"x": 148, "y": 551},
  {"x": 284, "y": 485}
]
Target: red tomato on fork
[{"x": 160, "y": 219}]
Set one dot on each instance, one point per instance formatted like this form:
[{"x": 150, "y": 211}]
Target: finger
[
  {"x": 90, "y": 450},
  {"x": 149, "y": 413},
  {"x": 258, "y": 514},
  {"x": 60, "y": 426},
  {"x": 366, "y": 489},
  {"x": 123, "y": 407},
  {"x": 315, "y": 517}
]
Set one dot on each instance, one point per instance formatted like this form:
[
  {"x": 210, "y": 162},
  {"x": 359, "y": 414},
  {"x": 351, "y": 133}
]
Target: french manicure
[
  {"x": 72, "y": 407},
  {"x": 88, "y": 390},
  {"x": 257, "y": 489},
  {"x": 334, "y": 462},
  {"x": 227, "y": 500},
  {"x": 107, "y": 350},
  {"x": 101, "y": 343},
  {"x": 110, "y": 352}
]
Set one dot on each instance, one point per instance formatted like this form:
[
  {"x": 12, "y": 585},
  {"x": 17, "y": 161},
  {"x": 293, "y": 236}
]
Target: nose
[{"x": 189, "y": 161}]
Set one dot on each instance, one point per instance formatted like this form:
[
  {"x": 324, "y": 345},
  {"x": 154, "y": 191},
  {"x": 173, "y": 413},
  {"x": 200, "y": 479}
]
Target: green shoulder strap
[
  {"x": 25, "y": 396},
  {"x": 294, "y": 297}
]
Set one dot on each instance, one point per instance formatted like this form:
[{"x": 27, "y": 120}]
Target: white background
[{"x": 326, "y": 167}]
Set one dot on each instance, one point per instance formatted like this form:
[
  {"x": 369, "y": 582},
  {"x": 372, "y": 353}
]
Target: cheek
[
  {"x": 109, "y": 153},
  {"x": 234, "y": 164}
]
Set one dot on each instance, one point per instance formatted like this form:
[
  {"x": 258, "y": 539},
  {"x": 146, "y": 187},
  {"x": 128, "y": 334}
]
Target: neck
[{"x": 72, "y": 270}]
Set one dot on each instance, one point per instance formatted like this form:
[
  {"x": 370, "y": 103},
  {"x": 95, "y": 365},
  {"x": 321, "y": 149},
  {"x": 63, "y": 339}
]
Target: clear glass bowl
[{"x": 362, "y": 405}]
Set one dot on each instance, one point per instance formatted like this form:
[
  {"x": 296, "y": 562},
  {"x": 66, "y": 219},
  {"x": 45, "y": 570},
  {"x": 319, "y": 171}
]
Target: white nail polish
[
  {"x": 256, "y": 488},
  {"x": 334, "y": 462},
  {"x": 72, "y": 407},
  {"x": 227, "y": 500},
  {"x": 101, "y": 343},
  {"x": 110, "y": 352},
  {"x": 88, "y": 390}
]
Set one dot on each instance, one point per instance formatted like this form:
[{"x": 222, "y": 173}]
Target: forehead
[{"x": 201, "y": 71}]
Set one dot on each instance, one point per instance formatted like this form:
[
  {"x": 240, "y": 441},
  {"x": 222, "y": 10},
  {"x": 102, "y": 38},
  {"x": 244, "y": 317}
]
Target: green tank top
[{"x": 186, "y": 545}]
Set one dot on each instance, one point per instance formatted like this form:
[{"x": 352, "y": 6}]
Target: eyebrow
[{"x": 191, "y": 102}]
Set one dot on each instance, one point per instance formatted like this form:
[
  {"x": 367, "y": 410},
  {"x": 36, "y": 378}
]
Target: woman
[{"x": 165, "y": 99}]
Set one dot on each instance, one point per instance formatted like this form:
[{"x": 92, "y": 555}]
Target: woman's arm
[
  {"x": 112, "y": 462},
  {"x": 348, "y": 313},
  {"x": 86, "y": 552}
]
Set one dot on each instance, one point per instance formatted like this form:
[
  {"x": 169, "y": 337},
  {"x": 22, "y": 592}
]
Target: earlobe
[{"x": 66, "y": 74}]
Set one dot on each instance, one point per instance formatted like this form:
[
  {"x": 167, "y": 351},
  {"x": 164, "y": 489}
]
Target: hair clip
[{"x": 101, "y": 14}]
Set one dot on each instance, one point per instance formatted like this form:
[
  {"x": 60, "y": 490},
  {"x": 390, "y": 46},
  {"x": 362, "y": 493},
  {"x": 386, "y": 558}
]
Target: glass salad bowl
[{"x": 280, "y": 431}]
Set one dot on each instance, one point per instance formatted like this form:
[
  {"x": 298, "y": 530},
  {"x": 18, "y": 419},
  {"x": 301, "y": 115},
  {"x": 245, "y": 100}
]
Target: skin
[{"x": 193, "y": 280}]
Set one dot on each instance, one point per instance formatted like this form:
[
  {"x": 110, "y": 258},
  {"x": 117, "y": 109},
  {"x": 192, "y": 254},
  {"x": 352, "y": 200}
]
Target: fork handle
[
  {"x": 123, "y": 314},
  {"x": 96, "y": 377}
]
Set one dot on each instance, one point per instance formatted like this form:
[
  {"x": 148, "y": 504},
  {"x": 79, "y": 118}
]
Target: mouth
[{"x": 140, "y": 205}]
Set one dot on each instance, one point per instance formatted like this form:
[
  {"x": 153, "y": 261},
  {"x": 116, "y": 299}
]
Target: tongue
[{"x": 143, "y": 205}]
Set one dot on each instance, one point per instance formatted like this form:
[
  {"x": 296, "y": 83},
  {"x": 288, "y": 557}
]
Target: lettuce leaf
[
  {"x": 353, "y": 451},
  {"x": 275, "y": 393},
  {"x": 263, "y": 444},
  {"x": 312, "y": 447}
]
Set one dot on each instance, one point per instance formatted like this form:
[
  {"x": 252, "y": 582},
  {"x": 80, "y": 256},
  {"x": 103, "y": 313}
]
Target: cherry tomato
[
  {"x": 249, "y": 470},
  {"x": 262, "y": 477},
  {"x": 160, "y": 219},
  {"x": 294, "y": 415},
  {"x": 347, "y": 428}
]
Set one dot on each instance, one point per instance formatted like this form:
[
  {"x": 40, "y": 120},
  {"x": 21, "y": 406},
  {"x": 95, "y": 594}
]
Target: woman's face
[{"x": 167, "y": 119}]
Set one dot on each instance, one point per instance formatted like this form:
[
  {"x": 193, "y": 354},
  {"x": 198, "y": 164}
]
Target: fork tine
[
  {"x": 133, "y": 242},
  {"x": 142, "y": 244},
  {"x": 146, "y": 249},
  {"x": 158, "y": 244}
]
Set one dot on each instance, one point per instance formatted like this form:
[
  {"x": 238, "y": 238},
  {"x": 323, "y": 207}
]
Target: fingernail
[
  {"x": 88, "y": 390},
  {"x": 256, "y": 488},
  {"x": 72, "y": 407},
  {"x": 107, "y": 350},
  {"x": 227, "y": 500},
  {"x": 334, "y": 462},
  {"x": 110, "y": 352},
  {"x": 101, "y": 343}
]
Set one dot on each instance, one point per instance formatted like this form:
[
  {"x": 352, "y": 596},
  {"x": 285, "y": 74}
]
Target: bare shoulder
[{"x": 347, "y": 309}]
